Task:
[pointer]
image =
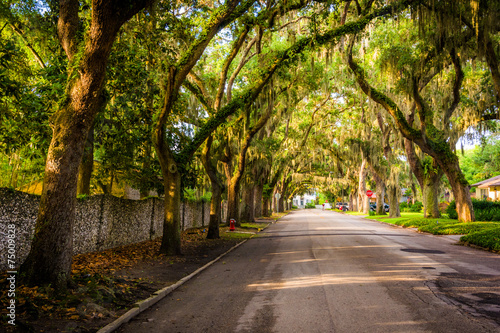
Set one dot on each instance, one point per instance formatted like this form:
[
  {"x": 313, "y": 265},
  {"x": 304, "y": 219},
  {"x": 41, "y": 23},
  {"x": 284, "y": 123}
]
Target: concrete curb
[{"x": 158, "y": 295}]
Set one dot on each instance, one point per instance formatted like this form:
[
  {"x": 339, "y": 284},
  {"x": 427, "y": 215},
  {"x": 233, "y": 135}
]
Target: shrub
[
  {"x": 489, "y": 239},
  {"x": 310, "y": 205},
  {"x": 492, "y": 214},
  {"x": 451, "y": 210},
  {"x": 403, "y": 205},
  {"x": 294, "y": 207},
  {"x": 483, "y": 210},
  {"x": 416, "y": 207}
]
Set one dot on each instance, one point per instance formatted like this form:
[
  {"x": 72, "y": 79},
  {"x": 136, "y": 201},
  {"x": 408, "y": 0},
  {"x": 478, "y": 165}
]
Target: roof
[{"x": 494, "y": 181}]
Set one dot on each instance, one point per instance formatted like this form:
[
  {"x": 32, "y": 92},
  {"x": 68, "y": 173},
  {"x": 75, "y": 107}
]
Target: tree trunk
[
  {"x": 233, "y": 203},
  {"x": 215, "y": 202},
  {"x": 363, "y": 204},
  {"x": 380, "y": 189},
  {"x": 394, "y": 192},
  {"x": 258, "y": 211},
  {"x": 351, "y": 200},
  {"x": 87, "y": 165},
  {"x": 431, "y": 204},
  {"x": 171, "y": 239},
  {"x": 235, "y": 180},
  {"x": 50, "y": 257},
  {"x": 414, "y": 192},
  {"x": 428, "y": 178},
  {"x": 266, "y": 212},
  {"x": 210, "y": 164},
  {"x": 461, "y": 192},
  {"x": 281, "y": 204},
  {"x": 215, "y": 212},
  {"x": 248, "y": 204}
]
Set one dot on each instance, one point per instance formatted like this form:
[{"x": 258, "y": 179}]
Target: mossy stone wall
[{"x": 101, "y": 222}]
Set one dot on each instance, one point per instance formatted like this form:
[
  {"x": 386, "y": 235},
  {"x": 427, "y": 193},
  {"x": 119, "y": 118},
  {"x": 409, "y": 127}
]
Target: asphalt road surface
[{"x": 320, "y": 271}]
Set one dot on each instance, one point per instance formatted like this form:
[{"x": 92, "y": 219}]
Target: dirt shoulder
[{"x": 108, "y": 283}]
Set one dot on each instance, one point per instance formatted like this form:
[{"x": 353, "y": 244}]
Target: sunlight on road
[
  {"x": 354, "y": 247},
  {"x": 330, "y": 279}
]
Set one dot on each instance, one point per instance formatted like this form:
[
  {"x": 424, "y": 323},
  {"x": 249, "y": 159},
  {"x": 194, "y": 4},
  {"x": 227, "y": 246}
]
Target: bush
[
  {"x": 451, "y": 210},
  {"x": 310, "y": 205},
  {"x": 403, "y": 205},
  {"x": 492, "y": 214},
  {"x": 294, "y": 207},
  {"x": 483, "y": 210},
  {"x": 416, "y": 207},
  {"x": 489, "y": 239}
]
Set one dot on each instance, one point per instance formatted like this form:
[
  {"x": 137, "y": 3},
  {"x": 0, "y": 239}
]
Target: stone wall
[{"x": 102, "y": 222}]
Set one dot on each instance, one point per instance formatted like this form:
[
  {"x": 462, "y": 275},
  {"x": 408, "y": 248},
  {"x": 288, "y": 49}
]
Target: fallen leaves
[{"x": 100, "y": 288}]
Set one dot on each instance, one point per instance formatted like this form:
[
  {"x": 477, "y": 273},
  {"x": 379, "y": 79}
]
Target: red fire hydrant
[{"x": 231, "y": 224}]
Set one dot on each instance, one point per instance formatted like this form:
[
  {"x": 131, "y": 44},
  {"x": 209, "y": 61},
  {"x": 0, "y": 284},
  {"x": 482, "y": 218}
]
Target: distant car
[
  {"x": 343, "y": 206},
  {"x": 373, "y": 207}
]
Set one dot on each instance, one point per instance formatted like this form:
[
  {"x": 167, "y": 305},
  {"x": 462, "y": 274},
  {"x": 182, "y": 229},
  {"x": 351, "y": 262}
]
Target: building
[
  {"x": 488, "y": 189},
  {"x": 302, "y": 200}
]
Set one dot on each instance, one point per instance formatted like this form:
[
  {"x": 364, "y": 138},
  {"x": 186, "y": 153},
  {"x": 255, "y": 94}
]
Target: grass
[
  {"x": 274, "y": 216},
  {"x": 483, "y": 234},
  {"x": 235, "y": 235},
  {"x": 254, "y": 225},
  {"x": 354, "y": 213},
  {"x": 405, "y": 216}
]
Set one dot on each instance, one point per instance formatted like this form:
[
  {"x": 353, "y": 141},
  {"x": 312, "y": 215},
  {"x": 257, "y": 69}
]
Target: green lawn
[
  {"x": 254, "y": 225},
  {"x": 483, "y": 234},
  {"x": 355, "y": 213}
]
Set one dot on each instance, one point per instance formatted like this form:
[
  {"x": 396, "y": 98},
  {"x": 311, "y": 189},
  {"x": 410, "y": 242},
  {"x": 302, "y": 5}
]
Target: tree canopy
[{"x": 243, "y": 99}]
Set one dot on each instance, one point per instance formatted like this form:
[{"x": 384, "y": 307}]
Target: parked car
[
  {"x": 373, "y": 207},
  {"x": 343, "y": 206}
]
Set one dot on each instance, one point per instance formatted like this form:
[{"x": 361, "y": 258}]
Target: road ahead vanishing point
[{"x": 321, "y": 271}]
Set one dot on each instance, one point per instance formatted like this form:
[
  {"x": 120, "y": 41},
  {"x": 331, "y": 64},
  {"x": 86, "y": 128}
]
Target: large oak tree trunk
[
  {"x": 215, "y": 212},
  {"x": 393, "y": 193},
  {"x": 428, "y": 179},
  {"x": 258, "y": 212},
  {"x": 281, "y": 204},
  {"x": 363, "y": 200},
  {"x": 380, "y": 189},
  {"x": 171, "y": 242},
  {"x": 233, "y": 203},
  {"x": 216, "y": 200},
  {"x": 50, "y": 257},
  {"x": 247, "y": 212},
  {"x": 430, "y": 194},
  {"x": 461, "y": 192},
  {"x": 87, "y": 165},
  {"x": 266, "y": 211}
]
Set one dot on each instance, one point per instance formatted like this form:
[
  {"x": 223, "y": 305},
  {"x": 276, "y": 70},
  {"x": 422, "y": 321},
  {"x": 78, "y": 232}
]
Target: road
[{"x": 321, "y": 271}]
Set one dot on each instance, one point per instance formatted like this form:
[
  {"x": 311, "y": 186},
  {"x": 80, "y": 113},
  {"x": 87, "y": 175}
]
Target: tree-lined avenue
[{"x": 320, "y": 271}]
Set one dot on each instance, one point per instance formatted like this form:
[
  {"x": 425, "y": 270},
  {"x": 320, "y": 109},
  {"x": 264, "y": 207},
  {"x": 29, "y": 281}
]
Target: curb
[{"x": 158, "y": 295}]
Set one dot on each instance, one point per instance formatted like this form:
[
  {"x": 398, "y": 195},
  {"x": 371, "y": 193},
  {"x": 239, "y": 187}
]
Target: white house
[
  {"x": 302, "y": 200},
  {"x": 489, "y": 188}
]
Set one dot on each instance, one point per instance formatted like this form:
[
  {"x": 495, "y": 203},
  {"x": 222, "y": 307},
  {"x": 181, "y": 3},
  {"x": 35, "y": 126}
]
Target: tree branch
[
  {"x": 30, "y": 47},
  {"x": 223, "y": 76},
  {"x": 67, "y": 26},
  {"x": 459, "y": 77}
]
